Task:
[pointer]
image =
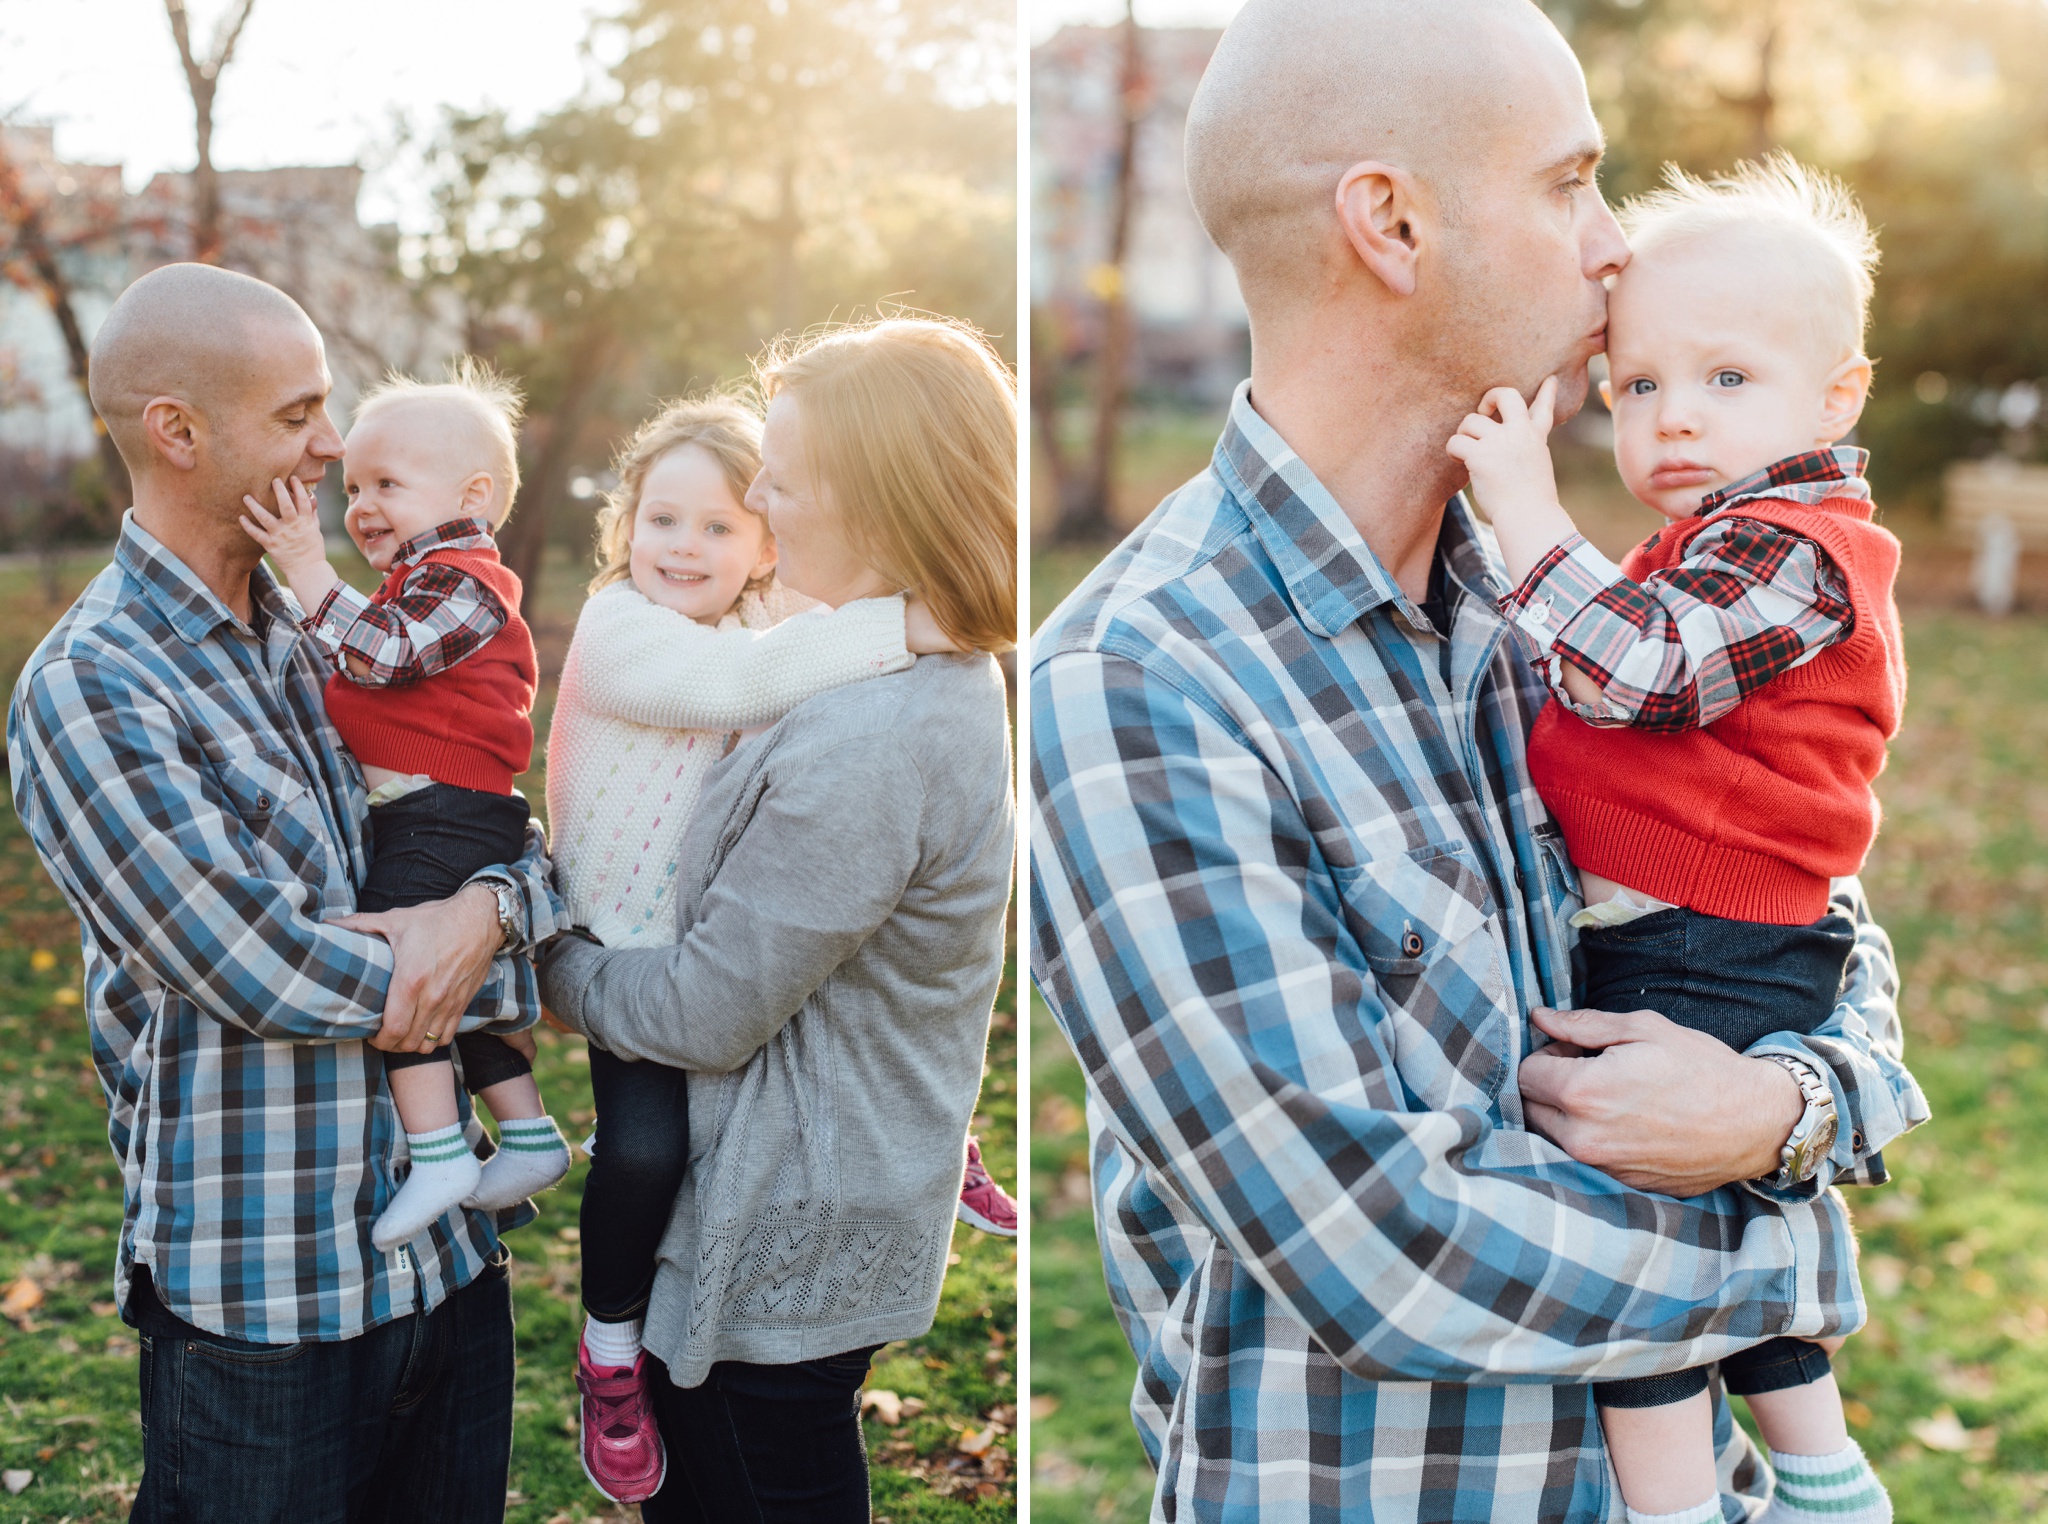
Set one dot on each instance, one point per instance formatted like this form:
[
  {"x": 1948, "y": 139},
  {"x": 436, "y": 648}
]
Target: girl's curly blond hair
[{"x": 721, "y": 426}]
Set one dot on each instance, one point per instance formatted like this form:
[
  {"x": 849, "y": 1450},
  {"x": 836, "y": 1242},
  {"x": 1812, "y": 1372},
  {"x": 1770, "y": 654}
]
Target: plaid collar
[
  {"x": 188, "y": 605},
  {"x": 456, "y": 534},
  {"x": 1332, "y": 576},
  {"x": 1813, "y": 476}
]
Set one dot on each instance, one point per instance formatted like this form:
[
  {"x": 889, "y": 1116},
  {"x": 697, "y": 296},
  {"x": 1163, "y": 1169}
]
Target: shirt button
[
  {"x": 1856, "y": 1142},
  {"x": 262, "y": 801},
  {"x": 1411, "y": 944}
]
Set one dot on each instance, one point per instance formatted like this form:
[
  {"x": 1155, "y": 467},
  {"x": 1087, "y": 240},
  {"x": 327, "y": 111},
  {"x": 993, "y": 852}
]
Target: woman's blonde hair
[
  {"x": 911, "y": 425},
  {"x": 722, "y": 427}
]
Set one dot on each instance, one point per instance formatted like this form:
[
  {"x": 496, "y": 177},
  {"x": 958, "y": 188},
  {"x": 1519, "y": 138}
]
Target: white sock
[
  {"x": 1839, "y": 1488},
  {"x": 1708, "y": 1512},
  {"x": 443, "y": 1172},
  {"x": 614, "y": 1344},
  {"x": 531, "y": 1157}
]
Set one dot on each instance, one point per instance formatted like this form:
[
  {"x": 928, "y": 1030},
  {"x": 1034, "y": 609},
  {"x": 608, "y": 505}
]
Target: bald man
[
  {"x": 1298, "y": 907},
  {"x": 174, "y": 766}
]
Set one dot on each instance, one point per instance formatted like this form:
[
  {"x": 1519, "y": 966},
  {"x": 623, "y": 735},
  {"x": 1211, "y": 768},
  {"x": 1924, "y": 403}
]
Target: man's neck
[
  {"x": 1375, "y": 442},
  {"x": 221, "y": 556}
]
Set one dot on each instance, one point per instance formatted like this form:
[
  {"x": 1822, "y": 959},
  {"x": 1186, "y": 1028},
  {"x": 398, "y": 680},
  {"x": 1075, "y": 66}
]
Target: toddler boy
[
  {"x": 1724, "y": 697},
  {"x": 433, "y": 692}
]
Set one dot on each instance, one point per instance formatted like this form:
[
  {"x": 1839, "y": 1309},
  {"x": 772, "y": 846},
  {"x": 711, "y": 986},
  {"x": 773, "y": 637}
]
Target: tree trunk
[
  {"x": 1045, "y": 413},
  {"x": 30, "y": 236},
  {"x": 1086, "y": 515},
  {"x": 202, "y": 79},
  {"x": 525, "y": 538}
]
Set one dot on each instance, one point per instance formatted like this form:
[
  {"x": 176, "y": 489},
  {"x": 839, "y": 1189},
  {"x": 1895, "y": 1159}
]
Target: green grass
[
  {"x": 1948, "y": 1386},
  {"x": 67, "y": 1366}
]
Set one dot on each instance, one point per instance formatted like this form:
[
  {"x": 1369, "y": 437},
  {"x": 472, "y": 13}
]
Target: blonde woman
[{"x": 838, "y": 940}]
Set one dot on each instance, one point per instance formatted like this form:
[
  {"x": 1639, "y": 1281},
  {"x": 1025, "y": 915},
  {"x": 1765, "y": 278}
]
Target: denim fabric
[
  {"x": 763, "y": 1444},
  {"x": 643, "y": 1146},
  {"x": 411, "y": 1420},
  {"x": 1773, "y": 1366},
  {"x": 428, "y": 844},
  {"x": 1736, "y": 980},
  {"x": 1739, "y": 981}
]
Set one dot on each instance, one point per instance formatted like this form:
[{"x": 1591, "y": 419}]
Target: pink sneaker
[
  {"x": 983, "y": 1203},
  {"x": 622, "y": 1453}
]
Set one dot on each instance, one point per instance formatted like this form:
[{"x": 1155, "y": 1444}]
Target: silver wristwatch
[
  {"x": 511, "y": 910},
  {"x": 1815, "y": 1133}
]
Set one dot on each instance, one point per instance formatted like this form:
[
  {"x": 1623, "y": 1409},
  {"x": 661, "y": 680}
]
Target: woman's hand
[{"x": 921, "y": 633}]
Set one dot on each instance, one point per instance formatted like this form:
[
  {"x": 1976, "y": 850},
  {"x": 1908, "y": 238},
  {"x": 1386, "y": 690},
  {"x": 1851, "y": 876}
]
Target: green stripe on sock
[
  {"x": 432, "y": 1148},
  {"x": 1867, "y": 1498},
  {"x": 1824, "y": 1478},
  {"x": 548, "y": 1143}
]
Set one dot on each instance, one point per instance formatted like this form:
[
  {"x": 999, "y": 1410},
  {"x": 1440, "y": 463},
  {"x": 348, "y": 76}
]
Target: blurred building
[
  {"x": 1191, "y": 334},
  {"x": 296, "y": 228}
]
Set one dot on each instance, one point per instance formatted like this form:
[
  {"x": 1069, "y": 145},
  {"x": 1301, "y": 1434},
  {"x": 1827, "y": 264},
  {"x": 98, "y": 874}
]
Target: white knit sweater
[{"x": 649, "y": 700}]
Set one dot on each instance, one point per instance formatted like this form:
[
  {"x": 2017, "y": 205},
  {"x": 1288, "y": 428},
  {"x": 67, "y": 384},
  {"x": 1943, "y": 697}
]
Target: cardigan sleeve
[
  {"x": 825, "y": 859},
  {"x": 653, "y": 666}
]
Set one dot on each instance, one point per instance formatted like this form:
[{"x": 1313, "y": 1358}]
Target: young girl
[{"x": 682, "y": 644}]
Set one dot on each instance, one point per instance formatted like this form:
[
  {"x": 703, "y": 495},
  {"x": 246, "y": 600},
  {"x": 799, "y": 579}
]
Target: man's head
[
  {"x": 422, "y": 453},
  {"x": 1737, "y": 334},
  {"x": 1419, "y": 174},
  {"x": 212, "y": 384}
]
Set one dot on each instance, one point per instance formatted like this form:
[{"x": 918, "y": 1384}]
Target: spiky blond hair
[
  {"x": 1814, "y": 213},
  {"x": 484, "y": 407}
]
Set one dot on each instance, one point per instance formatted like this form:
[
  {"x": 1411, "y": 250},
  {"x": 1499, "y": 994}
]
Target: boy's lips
[{"x": 1672, "y": 474}]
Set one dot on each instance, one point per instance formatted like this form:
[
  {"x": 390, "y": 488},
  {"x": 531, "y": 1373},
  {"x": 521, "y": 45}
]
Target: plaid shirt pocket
[
  {"x": 271, "y": 795},
  {"x": 1425, "y": 923}
]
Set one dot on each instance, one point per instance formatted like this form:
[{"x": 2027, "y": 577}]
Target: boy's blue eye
[
  {"x": 1642, "y": 386},
  {"x": 1729, "y": 378}
]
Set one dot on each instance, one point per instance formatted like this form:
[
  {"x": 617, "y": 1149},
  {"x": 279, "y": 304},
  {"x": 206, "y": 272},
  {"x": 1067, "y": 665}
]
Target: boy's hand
[
  {"x": 292, "y": 537},
  {"x": 921, "y": 633},
  {"x": 1504, "y": 447}
]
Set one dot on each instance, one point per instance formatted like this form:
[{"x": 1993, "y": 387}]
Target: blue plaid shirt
[
  {"x": 1292, "y": 896},
  {"x": 176, "y": 771}
]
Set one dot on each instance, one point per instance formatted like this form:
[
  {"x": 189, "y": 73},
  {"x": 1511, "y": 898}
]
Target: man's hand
[
  {"x": 1658, "y": 1106},
  {"x": 440, "y": 955},
  {"x": 293, "y": 539}
]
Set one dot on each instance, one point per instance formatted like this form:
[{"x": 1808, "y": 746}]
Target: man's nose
[{"x": 1605, "y": 249}]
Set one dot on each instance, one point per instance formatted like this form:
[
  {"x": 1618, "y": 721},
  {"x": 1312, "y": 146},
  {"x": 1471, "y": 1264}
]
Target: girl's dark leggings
[{"x": 643, "y": 1146}]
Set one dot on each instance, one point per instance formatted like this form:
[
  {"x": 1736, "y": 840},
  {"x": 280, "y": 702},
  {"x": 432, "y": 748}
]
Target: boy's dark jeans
[
  {"x": 763, "y": 1444},
  {"x": 426, "y": 846},
  {"x": 643, "y": 1147},
  {"x": 1739, "y": 981},
  {"x": 410, "y": 1421}
]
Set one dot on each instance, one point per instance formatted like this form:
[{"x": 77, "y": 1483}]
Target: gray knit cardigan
[{"x": 840, "y": 901}]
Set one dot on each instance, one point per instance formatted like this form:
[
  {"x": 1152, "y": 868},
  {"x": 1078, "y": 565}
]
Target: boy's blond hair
[
  {"x": 483, "y": 403},
  {"x": 910, "y": 425},
  {"x": 1814, "y": 212},
  {"x": 722, "y": 427}
]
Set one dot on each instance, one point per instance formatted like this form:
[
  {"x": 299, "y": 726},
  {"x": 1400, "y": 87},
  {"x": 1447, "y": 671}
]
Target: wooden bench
[{"x": 2002, "y": 505}]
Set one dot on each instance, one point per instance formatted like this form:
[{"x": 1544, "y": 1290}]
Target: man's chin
[{"x": 1573, "y": 384}]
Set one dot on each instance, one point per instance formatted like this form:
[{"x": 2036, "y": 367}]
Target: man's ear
[
  {"x": 1848, "y": 388},
  {"x": 476, "y": 495},
  {"x": 1377, "y": 206},
  {"x": 173, "y": 429}
]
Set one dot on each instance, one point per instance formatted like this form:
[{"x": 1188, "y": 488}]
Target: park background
[
  {"x": 1937, "y": 115},
  {"x": 613, "y": 200}
]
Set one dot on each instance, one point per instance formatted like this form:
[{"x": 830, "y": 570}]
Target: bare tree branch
[{"x": 202, "y": 79}]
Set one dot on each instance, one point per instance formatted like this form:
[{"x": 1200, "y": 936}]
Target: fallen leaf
[
  {"x": 1945, "y": 1432},
  {"x": 1044, "y": 1405},
  {"x": 16, "y": 1482},
  {"x": 976, "y": 1443},
  {"x": 912, "y": 1406},
  {"x": 886, "y": 1405},
  {"x": 42, "y": 960},
  {"x": 22, "y": 1298}
]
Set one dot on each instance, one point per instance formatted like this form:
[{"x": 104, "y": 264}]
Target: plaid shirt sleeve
[
  {"x": 1203, "y": 959},
  {"x": 1682, "y": 647},
  {"x": 441, "y": 615},
  {"x": 166, "y": 869}
]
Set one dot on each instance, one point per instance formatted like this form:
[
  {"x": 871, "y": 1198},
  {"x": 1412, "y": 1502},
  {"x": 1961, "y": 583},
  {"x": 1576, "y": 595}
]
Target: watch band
[
  {"x": 511, "y": 911},
  {"x": 1814, "y": 1134}
]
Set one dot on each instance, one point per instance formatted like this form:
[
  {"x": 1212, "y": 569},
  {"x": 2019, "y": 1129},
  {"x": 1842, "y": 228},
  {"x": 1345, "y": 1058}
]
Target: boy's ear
[
  {"x": 1379, "y": 207},
  {"x": 1848, "y": 388},
  {"x": 477, "y": 493}
]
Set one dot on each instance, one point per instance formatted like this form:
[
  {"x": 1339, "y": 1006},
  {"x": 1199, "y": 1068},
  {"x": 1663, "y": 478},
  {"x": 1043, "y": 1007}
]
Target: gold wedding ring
[{"x": 433, "y": 1037}]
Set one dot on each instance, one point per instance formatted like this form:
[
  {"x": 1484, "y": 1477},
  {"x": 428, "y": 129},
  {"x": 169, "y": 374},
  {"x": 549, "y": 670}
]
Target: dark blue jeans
[
  {"x": 1738, "y": 981},
  {"x": 643, "y": 1147},
  {"x": 763, "y": 1444},
  {"x": 410, "y": 1421}
]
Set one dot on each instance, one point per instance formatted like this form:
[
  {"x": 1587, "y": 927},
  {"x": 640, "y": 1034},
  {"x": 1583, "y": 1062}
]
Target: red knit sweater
[
  {"x": 1749, "y": 817},
  {"x": 470, "y": 724}
]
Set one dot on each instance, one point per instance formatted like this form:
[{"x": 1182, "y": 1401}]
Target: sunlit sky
[
  {"x": 1047, "y": 16},
  {"x": 312, "y": 81}
]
